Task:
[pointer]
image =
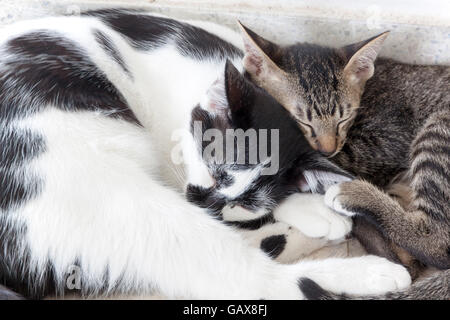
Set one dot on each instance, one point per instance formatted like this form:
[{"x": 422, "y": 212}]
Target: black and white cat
[{"x": 93, "y": 112}]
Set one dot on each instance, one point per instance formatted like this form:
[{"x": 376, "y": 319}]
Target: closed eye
[
  {"x": 313, "y": 133},
  {"x": 343, "y": 121}
]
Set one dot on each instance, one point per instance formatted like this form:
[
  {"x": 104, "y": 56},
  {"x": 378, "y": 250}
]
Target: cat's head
[
  {"x": 321, "y": 87},
  {"x": 245, "y": 153}
]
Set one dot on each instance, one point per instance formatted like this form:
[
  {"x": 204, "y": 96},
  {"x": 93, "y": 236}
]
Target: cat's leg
[
  {"x": 376, "y": 243},
  {"x": 424, "y": 228}
]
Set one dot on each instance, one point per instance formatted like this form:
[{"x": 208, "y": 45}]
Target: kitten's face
[
  {"x": 250, "y": 189},
  {"x": 321, "y": 87},
  {"x": 318, "y": 96}
]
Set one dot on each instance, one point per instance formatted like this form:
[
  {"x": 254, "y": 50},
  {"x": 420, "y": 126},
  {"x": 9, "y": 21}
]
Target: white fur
[
  {"x": 238, "y": 213},
  {"x": 111, "y": 197},
  {"x": 243, "y": 179},
  {"x": 332, "y": 201},
  {"x": 308, "y": 213},
  {"x": 327, "y": 179}
]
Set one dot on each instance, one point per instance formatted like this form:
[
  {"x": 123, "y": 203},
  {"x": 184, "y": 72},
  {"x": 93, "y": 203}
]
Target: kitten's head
[
  {"x": 247, "y": 154},
  {"x": 321, "y": 87}
]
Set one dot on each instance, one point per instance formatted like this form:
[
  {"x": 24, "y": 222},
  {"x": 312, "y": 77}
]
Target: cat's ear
[
  {"x": 361, "y": 57},
  {"x": 238, "y": 89},
  {"x": 261, "y": 56}
]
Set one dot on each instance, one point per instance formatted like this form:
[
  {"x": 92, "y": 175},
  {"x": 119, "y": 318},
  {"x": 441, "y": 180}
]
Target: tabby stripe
[
  {"x": 341, "y": 110},
  {"x": 445, "y": 150},
  {"x": 430, "y": 191},
  {"x": 437, "y": 213},
  {"x": 308, "y": 114},
  {"x": 333, "y": 109},
  {"x": 431, "y": 136},
  {"x": 432, "y": 166}
]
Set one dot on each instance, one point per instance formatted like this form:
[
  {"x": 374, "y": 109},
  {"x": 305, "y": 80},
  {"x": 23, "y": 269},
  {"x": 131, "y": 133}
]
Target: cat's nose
[{"x": 326, "y": 144}]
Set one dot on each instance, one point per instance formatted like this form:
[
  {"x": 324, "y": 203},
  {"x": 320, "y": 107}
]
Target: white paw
[
  {"x": 339, "y": 226},
  {"x": 383, "y": 276},
  {"x": 361, "y": 276},
  {"x": 307, "y": 213},
  {"x": 332, "y": 201}
]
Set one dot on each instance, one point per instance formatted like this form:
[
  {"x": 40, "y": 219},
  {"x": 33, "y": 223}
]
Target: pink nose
[{"x": 326, "y": 144}]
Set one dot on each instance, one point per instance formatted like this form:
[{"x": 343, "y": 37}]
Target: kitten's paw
[
  {"x": 335, "y": 200},
  {"x": 338, "y": 226},
  {"x": 307, "y": 213}
]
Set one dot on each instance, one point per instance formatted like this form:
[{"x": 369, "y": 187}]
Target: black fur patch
[
  {"x": 147, "y": 32},
  {"x": 46, "y": 68},
  {"x": 274, "y": 245},
  {"x": 15, "y": 271},
  {"x": 110, "y": 48},
  {"x": 312, "y": 291},
  {"x": 205, "y": 198},
  {"x": 14, "y": 189},
  {"x": 252, "y": 224},
  {"x": 18, "y": 147}
]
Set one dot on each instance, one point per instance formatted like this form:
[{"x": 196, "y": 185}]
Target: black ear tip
[
  {"x": 384, "y": 34},
  {"x": 240, "y": 24},
  {"x": 228, "y": 64}
]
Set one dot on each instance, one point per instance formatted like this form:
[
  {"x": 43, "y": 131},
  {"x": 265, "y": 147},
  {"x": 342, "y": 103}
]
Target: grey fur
[{"x": 424, "y": 228}]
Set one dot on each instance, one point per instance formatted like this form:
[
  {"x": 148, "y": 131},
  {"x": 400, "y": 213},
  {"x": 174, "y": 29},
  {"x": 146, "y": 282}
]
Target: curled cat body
[
  {"x": 94, "y": 110},
  {"x": 378, "y": 119}
]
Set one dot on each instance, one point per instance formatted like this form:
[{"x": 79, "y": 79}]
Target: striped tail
[{"x": 435, "y": 287}]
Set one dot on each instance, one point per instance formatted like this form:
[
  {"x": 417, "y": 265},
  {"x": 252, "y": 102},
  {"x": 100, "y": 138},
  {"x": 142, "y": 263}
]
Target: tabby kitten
[
  {"x": 320, "y": 87},
  {"x": 376, "y": 124}
]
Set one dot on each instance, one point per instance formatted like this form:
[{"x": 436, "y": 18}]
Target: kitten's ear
[
  {"x": 238, "y": 90},
  {"x": 261, "y": 56},
  {"x": 229, "y": 93},
  {"x": 361, "y": 57},
  {"x": 215, "y": 100}
]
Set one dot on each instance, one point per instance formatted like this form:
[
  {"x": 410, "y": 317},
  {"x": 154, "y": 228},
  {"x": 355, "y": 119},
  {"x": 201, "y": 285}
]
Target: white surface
[{"x": 420, "y": 29}]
